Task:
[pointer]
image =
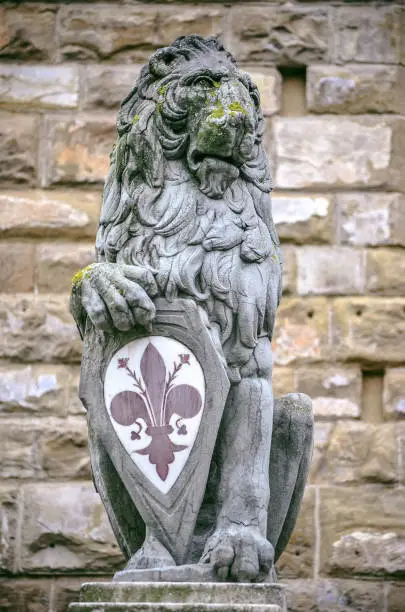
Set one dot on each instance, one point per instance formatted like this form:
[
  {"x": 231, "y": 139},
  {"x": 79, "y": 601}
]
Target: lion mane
[{"x": 155, "y": 210}]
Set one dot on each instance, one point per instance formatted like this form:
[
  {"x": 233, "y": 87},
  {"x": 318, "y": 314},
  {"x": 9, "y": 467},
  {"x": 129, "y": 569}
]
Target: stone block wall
[{"x": 332, "y": 79}]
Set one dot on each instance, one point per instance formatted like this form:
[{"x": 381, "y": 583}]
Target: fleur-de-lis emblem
[{"x": 155, "y": 400}]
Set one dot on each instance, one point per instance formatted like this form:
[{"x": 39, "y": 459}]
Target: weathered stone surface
[
  {"x": 198, "y": 141},
  {"x": 369, "y": 553},
  {"x": 400, "y": 429},
  {"x": 63, "y": 448},
  {"x": 301, "y": 595},
  {"x": 35, "y": 595},
  {"x": 289, "y": 269},
  {"x": 298, "y": 558},
  {"x": 84, "y": 35},
  {"x": 9, "y": 596},
  {"x": 78, "y": 149},
  {"x": 18, "y": 148},
  {"x": 335, "y": 408},
  {"x": 133, "y": 32},
  {"x": 350, "y": 596},
  {"x": 44, "y": 448},
  {"x": 280, "y": 35},
  {"x": 27, "y": 32},
  {"x": 19, "y": 456},
  {"x": 335, "y": 596},
  {"x": 38, "y": 328},
  {"x": 49, "y": 213},
  {"x": 359, "y": 152},
  {"x": 394, "y": 392},
  {"x": 75, "y": 406},
  {"x": 8, "y": 529},
  {"x": 205, "y": 21},
  {"x": 269, "y": 84},
  {"x": 67, "y": 590},
  {"x": 335, "y": 390},
  {"x": 25, "y": 595},
  {"x": 302, "y": 330},
  {"x": 186, "y": 594},
  {"x": 357, "y": 453},
  {"x": 343, "y": 453},
  {"x": 330, "y": 271},
  {"x": 369, "y": 329},
  {"x": 372, "y": 35},
  {"x": 17, "y": 266},
  {"x": 65, "y": 529},
  {"x": 362, "y": 531},
  {"x": 396, "y": 597},
  {"x": 283, "y": 380},
  {"x": 39, "y": 86},
  {"x": 106, "y": 86},
  {"x": 356, "y": 88},
  {"x": 371, "y": 218},
  {"x": 386, "y": 272},
  {"x": 34, "y": 389},
  {"x": 303, "y": 218},
  {"x": 58, "y": 262},
  {"x": 322, "y": 432}
]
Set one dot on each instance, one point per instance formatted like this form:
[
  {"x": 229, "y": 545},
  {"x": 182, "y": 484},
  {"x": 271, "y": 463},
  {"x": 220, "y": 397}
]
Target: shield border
[{"x": 169, "y": 516}]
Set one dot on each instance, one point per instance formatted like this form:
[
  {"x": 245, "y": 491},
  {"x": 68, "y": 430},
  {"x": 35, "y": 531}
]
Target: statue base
[
  {"x": 194, "y": 572},
  {"x": 180, "y": 596}
]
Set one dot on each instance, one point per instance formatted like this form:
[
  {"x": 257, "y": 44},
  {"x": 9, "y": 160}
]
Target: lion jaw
[{"x": 215, "y": 176}]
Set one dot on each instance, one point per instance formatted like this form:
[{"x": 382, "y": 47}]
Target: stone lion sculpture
[{"x": 187, "y": 214}]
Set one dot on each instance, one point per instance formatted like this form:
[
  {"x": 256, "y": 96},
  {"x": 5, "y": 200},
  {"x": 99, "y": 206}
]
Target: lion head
[{"x": 190, "y": 103}]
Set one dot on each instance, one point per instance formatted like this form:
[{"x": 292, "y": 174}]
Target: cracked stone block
[
  {"x": 49, "y": 213},
  {"x": 66, "y": 529}
]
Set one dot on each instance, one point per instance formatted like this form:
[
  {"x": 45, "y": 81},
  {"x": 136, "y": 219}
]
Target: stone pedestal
[{"x": 180, "y": 596}]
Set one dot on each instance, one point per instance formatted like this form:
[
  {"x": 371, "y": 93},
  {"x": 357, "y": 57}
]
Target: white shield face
[{"x": 154, "y": 390}]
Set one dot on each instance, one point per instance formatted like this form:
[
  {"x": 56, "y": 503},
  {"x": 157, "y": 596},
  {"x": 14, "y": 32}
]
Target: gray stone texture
[
  {"x": 217, "y": 219},
  {"x": 313, "y": 347},
  {"x": 189, "y": 597}
]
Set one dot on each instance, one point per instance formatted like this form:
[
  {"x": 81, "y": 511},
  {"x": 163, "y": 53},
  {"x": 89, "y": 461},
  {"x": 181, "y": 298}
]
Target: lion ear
[
  {"x": 145, "y": 150},
  {"x": 161, "y": 62},
  {"x": 139, "y": 151}
]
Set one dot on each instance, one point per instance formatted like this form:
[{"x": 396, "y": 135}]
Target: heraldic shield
[{"x": 154, "y": 400}]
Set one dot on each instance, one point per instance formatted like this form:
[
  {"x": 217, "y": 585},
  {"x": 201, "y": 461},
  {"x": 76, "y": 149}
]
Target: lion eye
[{"x": 204, "y": 81}]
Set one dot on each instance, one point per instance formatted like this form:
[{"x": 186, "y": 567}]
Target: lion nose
[{"x": 232, "y": 115}]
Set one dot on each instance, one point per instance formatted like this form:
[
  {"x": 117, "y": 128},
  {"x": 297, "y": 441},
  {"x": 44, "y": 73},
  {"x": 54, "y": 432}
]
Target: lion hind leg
[{"x": 290, "y": 458}]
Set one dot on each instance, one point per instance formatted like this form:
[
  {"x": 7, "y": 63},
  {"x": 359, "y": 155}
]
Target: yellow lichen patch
[
  {"x": 80, "y": 275},
  {"x": 135, "y": 119},
  {"x": 218, "y": 112},
  {"x": 162, "y": 90},
  {"x": 236, "y": 107}
]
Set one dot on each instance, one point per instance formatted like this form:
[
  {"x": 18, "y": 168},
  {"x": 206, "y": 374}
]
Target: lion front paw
[
  {"x": 114, "y": 296},
  {"x": 240, "y": 553}
]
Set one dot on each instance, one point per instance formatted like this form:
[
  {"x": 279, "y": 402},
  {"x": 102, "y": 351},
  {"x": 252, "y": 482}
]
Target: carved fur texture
[{"x": 187, "y": 195}]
